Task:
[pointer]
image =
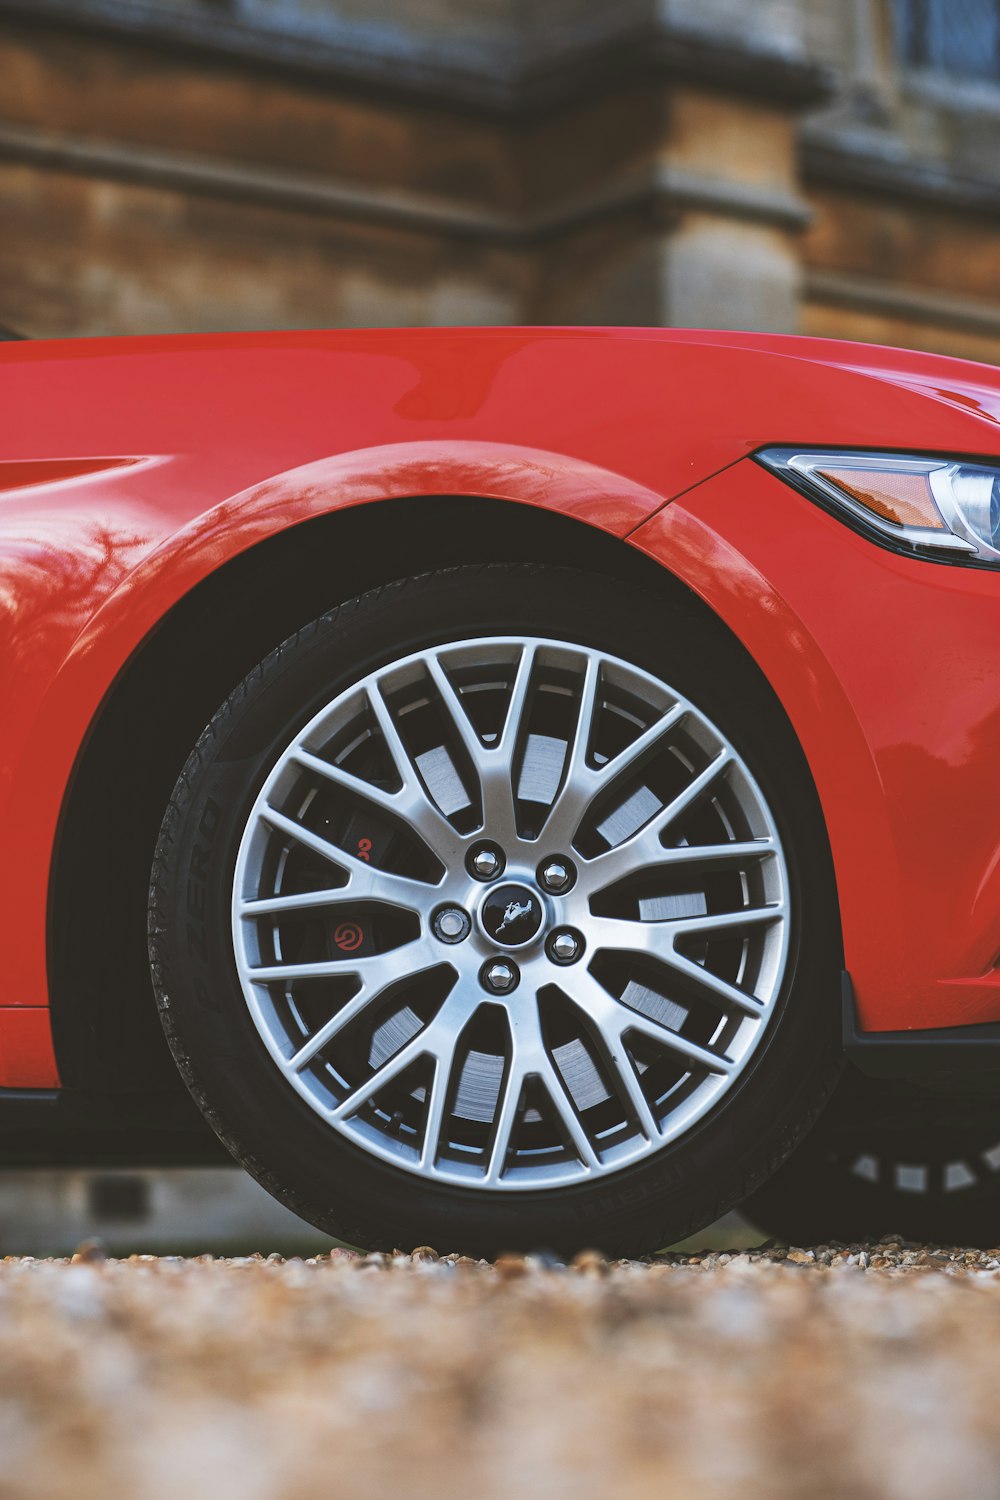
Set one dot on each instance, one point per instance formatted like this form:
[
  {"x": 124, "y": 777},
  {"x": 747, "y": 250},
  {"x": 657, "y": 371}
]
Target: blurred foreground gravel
[{"x": 855, "y": 1372}]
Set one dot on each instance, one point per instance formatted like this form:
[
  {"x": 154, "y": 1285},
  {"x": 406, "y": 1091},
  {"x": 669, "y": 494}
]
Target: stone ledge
[
  {"x": 272, "y": 187},
  {"x": 842, "y": 162},
  {"x": 661, "y": 190},
  {"x": 918, "y": 304},
  {"x": 519, "y": 79}
]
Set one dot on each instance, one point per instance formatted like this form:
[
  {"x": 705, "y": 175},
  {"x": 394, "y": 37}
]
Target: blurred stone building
[{"x": 829, "y": 166}]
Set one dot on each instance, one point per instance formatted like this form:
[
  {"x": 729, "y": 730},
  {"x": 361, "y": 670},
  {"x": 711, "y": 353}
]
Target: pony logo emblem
[{"x": 511, "y": 915}]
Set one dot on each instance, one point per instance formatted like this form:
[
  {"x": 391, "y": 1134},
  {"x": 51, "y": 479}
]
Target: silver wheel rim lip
[{"x": 460, "y": 888}]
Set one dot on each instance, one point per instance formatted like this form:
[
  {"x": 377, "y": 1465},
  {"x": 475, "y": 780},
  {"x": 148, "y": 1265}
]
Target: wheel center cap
[{"x": 511, "y": 915}]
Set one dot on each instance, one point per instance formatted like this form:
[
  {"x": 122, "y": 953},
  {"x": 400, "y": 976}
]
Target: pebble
[
  {"x": 509, "y": 1266},
  {"x": 589, "y": 1263},
  {"x": 774, "y": 1372},
  {"x": 89, "y": 1252}
]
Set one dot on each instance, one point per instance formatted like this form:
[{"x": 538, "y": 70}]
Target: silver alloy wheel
[{"x": 463, "y": 938}]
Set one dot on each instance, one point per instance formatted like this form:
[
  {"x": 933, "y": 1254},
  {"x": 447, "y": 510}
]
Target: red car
[{"x": 553, "y": 750}]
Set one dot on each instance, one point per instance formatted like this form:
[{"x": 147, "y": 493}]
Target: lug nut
[
  {"x": 486, "y": 862},
  {"x": 451, "y": 924},
  {"x": 556, "y": 875},
  {"x": 500, "y": 976},
  {"x": 565, "y": 947}
]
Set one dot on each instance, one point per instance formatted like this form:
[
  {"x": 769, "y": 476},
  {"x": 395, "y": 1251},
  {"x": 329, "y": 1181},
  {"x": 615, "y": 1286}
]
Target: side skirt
[
  {"x": 956, "y": 1059},
  {"x": 72, "y": 1127}
]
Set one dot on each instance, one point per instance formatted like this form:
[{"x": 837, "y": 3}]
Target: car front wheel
[{"x": 492, "y": 911}]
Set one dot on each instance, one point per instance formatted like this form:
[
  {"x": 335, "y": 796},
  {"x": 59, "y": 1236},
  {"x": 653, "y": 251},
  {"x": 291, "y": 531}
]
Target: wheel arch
[{"x": 105, "y": 1028}]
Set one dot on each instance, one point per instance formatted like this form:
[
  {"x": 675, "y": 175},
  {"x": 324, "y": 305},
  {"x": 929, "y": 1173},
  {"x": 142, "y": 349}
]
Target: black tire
[
  {"x": 355, "y": 1196},
  {"x": 889, "y": 1159}
]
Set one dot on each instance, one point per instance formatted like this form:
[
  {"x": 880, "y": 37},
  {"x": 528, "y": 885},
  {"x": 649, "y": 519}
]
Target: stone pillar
[
  {"x": 731, "y": 258},
  {"x": 671, "y": 196}
]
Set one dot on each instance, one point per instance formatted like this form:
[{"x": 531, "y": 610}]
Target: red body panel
[
  {"x": 131, "y": 469},
  {"x": 889, "y": 668}
]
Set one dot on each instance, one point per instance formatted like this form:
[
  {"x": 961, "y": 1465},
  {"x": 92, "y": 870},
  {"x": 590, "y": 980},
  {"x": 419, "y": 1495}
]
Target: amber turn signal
[
  {"x": 903, "y": 499},
  {"x": 932, "y": 506}
]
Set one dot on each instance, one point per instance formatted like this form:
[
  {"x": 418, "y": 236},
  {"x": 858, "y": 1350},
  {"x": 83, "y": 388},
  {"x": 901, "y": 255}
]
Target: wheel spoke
[
  {"x": 411, "y": 958},
  {"x": 624, "y": 935},
  {"x": 611, "y": 1045},
  {"x": 730, "y": 996},
  {"x": 365, "y": 879},
  {"x": 348, "y": 1012},
  {"x": 504, "y": 1123},
  {"x": 577, "y": 766},
  {"x": 614, "y": 1019},
  {"x": 378, "y": 796},
  {"x": 332, "y": 968},
  {"x": 655, "y": 940},
  {"x": 724, "y": 921},
  {"x": 579, "y": 778},
  {"x": 411, "y": 804},
  {"x": 552, "y": 1082},
  {"x": 607, "y": 869},
  {"x": 643, "y": 848},
  {"x": 398, "y": 753},
  {"x": 276, "y": 906},
  {"x": 739, "y": 851},
  {"x": 585, "y": 782},
  {"x": 694, "y": 789},
  {"x": 624, "y": 1074},
  {"x": 626, "y": 1081},
  {"x": 643, "y": 742},
  {"x": 658, "y": 938},
  {"x": 458, "y": 719},
  {"x": 516, "y": 707},
  {"x": 493, "y": 765},
  {"x": 532, "y": 1060},
  {"x": 437, "y": 1098},
  {"x": 499, "y": 794},
  {"x": 701, "y": 1057},
  {"x": 437, "y": 1040}
]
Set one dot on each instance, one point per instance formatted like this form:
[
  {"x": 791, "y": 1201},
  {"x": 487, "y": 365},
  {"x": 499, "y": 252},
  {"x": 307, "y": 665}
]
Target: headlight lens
[{"x": 915, "y": 504}]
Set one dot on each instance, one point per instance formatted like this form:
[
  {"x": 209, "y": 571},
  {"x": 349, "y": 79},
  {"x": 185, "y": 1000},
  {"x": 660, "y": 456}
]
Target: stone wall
[
  {"x": 902, "y": 171},
  {"x": 194, "y": 164}
]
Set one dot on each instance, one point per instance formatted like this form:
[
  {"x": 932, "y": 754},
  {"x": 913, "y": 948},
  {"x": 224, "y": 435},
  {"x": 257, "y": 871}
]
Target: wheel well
[{"x": 107, "y": 1034}]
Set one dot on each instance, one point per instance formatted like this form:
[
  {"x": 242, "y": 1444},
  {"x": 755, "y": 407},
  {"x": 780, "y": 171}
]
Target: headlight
[{"x": 930, "y": 505}]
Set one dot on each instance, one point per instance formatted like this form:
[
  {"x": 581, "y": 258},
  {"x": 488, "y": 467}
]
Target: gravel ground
[{"x": 859, "y": 1371}]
